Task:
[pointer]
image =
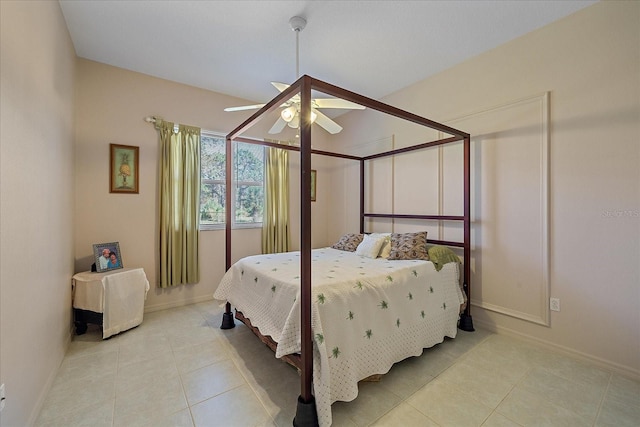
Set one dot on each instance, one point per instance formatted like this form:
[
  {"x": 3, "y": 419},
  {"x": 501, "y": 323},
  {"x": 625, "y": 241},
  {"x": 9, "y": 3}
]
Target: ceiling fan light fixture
[
  {"x": 294, "y": 122},
  {"x": 288, "y": 114}
]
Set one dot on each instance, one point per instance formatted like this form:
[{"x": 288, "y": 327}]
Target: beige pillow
[
  {"x": 386, "y": 246},
  {"x": 348, "y": 242},
  {"x": 370, "y": 246},
  {"x": 409, "y": 246}
]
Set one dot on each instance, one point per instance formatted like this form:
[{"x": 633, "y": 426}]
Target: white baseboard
[
  {"x": 567, "y": 351},
  {"x": 174, "y": 304}
]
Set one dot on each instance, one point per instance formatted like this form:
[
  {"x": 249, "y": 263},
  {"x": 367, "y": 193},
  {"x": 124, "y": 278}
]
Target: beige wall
[
  {"x": 36, "y": 202},
  {"x": 111, "y": 106},
  {"x": 590, "y": 65},
  {"x": 588, "y": 62}
]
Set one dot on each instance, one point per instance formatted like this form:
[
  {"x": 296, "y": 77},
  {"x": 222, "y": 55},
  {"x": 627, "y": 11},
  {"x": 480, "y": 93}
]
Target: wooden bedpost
[
  {"x": 361, "y": 196},
  {"x": 466, "y": 322},
  {"x": 306, "y": 412},
  {"x": 227, "y": 316}
]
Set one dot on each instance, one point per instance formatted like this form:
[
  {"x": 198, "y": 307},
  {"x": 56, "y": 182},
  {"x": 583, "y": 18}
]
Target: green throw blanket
[{"x": 440, "y": 255}]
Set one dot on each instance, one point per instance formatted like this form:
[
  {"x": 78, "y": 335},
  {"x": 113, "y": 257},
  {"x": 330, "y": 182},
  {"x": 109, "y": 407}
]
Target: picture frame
[
  {"x": 123, "y": 170},
  {"x": 314, "y": 174},
  {"x": 108, "y": 263}
]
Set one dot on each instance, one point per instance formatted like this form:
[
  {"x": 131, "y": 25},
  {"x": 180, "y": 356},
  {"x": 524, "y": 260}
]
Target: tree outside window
[{"x": 248, "y": 183}]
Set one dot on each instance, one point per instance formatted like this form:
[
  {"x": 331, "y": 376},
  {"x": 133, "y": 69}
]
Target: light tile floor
[{"x": 179, "y": 369}]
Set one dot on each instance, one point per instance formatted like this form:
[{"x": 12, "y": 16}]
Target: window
[{"x": 248, "y": 183}]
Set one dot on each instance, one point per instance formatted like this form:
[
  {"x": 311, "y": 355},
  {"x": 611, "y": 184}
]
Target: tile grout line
[
  {"x": 516, "y": 383},
  {"x": 466, "y": 356},
  {"x": 602, "y": 399},
  {"x": 456, "y": 360},
  {"x": 550, "y": 372},
  {"x": 184, "y": 392},
  {"x": 248, "y": 383},
  {"x": 115, "y": 387}
]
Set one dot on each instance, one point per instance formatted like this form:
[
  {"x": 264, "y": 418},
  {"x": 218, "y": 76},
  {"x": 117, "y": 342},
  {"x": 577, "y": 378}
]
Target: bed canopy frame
[{"x": 306, "y": 410}]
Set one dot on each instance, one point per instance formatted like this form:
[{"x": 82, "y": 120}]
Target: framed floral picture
[
  {"x": 107, "y": 256},
  {"x": 123, "y": 172}
]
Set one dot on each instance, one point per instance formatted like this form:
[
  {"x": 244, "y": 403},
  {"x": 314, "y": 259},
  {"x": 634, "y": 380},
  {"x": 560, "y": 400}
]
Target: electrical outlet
[
  {"x": 554, "y": 304},
  {"x": 2, "y": 397}
]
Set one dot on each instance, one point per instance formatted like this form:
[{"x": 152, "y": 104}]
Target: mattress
[{"x": 367, "y": 314}]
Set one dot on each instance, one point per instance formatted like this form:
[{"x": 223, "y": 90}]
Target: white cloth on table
[{"x": 118, "y": 295}]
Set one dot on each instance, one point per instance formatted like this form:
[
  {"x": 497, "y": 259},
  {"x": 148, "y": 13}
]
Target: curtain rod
[{"x": 157, "y": 120}]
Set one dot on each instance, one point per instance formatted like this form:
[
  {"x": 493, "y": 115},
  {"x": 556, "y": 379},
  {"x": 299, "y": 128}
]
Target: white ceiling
[{"x": 237, "y": 47}]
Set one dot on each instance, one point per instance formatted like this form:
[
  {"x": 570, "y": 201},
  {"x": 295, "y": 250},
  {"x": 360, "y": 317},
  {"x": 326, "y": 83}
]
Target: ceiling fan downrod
[{"x": 297, "y": 24}]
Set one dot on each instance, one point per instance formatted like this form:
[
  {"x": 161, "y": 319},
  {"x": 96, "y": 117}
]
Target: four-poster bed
[{"x": 298, "y": 332}]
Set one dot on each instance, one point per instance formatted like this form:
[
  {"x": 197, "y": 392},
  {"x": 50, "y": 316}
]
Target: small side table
[{"x": 113, "y": 299}]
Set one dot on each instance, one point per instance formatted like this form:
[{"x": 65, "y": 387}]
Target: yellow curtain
[
  {"x": 275, "y": 222},
  {"x": 179, "y": 201}
]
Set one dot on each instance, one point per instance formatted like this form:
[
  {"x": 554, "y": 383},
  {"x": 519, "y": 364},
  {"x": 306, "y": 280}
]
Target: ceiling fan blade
[
  {"x": 245, "y": 107},
  {"x": 280, "y": 86},
  {"x": 278, "y": 126},
  {"x": 326, "y": 123},
  {"x": 337, "y": 103},
  {"x": 283, "y": 86}
]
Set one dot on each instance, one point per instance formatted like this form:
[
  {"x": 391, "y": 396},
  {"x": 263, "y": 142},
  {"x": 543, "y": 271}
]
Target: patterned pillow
[
  {"x": 348, "y": 242},
  {"x": 409, "y": 246}
]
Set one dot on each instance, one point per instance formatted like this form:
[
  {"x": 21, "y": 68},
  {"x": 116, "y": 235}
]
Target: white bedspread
[{"x": 361, "y": 307}]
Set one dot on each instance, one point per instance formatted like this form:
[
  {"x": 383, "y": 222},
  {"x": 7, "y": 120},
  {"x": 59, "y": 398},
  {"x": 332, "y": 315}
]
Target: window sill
[{"x": 233, "y": 227}]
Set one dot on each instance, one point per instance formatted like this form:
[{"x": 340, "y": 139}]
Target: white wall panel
[{"x": 509, "y": 160}]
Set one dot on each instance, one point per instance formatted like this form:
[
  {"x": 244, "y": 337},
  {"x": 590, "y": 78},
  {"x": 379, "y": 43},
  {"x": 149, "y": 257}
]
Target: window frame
[{"x": 235, "y": 183}]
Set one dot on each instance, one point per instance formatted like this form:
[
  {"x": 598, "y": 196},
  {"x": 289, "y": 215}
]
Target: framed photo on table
[
  {"x": 107, "y": 256},
  {"x": 123, "y": 171}
]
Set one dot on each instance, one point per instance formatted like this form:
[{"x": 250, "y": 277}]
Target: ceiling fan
[{"x": 290, "y": 114}]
